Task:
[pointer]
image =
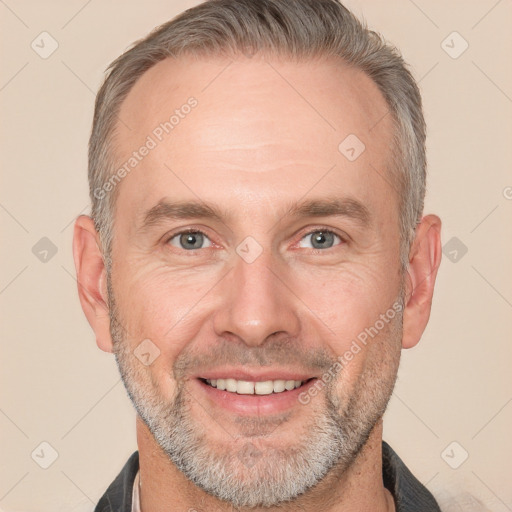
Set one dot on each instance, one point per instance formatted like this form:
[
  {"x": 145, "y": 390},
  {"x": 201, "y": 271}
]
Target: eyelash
[{"x": 323, "y": 229}]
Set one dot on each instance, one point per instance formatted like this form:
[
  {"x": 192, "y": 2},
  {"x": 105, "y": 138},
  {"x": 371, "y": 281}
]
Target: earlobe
[
  {"x": 424, "y": 261},
  {"x": 91, "y": 279}
]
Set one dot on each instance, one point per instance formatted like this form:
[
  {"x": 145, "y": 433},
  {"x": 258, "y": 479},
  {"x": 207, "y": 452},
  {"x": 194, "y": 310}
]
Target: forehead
[{"x": 276, "y": 127}]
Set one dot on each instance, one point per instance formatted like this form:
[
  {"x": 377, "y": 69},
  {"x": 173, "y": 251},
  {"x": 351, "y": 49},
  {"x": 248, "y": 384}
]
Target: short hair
[{"x": 298, "y": 29}]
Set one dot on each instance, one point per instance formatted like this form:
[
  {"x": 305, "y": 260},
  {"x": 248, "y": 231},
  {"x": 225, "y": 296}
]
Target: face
[{"x": 253, "y": 252}]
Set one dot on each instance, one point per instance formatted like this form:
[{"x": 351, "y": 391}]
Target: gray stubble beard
[{"x": 258, "y": 474}]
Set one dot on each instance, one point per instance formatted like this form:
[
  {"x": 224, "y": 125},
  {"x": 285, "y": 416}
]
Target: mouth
[
  {"x": 245, "y": 387},
  {"x": 246, "y": 397}
]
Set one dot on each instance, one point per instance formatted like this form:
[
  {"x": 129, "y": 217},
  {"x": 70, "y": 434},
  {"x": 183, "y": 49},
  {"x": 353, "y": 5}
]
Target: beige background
[{"x": 58, "y": 387}]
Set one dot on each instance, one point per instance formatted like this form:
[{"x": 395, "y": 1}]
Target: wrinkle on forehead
[
  {"x": 313, "y": 101},
  {"x": 261, "y": 133}
]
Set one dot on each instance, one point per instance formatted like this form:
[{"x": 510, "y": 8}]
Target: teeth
[
  {"x": 289, "y": 385},
  {"x": 279, "y": 386},
  {"x": 231, "y": 385},
  {"x": 264, "y": 388},
  {"x": 243, "y": 387}
]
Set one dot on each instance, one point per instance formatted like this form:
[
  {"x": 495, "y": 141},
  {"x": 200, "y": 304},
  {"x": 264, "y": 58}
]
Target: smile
[{"x": 244, "y": 387}]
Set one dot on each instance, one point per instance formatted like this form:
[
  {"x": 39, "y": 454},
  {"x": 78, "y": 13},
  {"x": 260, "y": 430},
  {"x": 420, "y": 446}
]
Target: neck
[{"x": 360, "y": 487}]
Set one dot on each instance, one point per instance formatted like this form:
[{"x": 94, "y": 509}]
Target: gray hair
[{"x": 299, "y": 29}]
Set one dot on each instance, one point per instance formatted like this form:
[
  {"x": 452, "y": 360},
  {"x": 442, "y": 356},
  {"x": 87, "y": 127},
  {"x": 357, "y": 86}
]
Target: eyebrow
[
  {"x": 169, "y": 210},
  {"x": 326, "y": 207},
  {"x": 333, "y": 207}
]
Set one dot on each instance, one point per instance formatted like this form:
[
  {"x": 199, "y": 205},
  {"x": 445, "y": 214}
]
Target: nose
[{"x": 256, "y": 303}]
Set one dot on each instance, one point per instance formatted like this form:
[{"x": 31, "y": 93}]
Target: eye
[
  {"x": 190, "y": 240},
  {"x": 320, "y": 239}
]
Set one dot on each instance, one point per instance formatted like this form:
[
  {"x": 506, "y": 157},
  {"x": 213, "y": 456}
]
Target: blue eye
[
  {"x": 190, "y": 240},
  {"x": 321, "y": 239}
]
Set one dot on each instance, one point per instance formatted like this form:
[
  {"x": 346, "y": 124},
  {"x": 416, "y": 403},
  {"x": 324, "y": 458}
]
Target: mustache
[{"x": 283, "y": 353}]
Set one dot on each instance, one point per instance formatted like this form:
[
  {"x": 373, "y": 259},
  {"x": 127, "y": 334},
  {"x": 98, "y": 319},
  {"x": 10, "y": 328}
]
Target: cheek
[
  {"x": 370, "y": 363},
  {"x": 162, "y": 306},
  {"x": 356, "y": 304},
  {"x": 347, "y": 300}
]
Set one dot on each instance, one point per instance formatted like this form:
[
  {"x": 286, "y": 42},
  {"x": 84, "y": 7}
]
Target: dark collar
[
  {"x": 118, "y": 497},
  {"x": 409, "y": 494}
]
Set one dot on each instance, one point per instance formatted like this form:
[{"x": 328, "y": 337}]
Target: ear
[
  {"x": 92, "y": 280},
  {"x": 424, "y": 261}
]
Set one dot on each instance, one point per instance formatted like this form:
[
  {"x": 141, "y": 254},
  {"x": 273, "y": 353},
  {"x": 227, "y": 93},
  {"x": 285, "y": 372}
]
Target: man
[{"x": 257, "y": 258}]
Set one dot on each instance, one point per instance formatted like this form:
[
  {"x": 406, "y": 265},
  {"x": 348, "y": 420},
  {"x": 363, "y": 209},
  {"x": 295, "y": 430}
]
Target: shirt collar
[{"x": 135, "y": 494}]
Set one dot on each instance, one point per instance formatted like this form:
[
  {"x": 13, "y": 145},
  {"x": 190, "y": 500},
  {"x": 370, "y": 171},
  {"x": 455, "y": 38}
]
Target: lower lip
[{"x": 254, "y": 404}]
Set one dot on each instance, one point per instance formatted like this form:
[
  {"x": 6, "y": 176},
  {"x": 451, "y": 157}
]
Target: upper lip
[{"x": 254, "y": 375}]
